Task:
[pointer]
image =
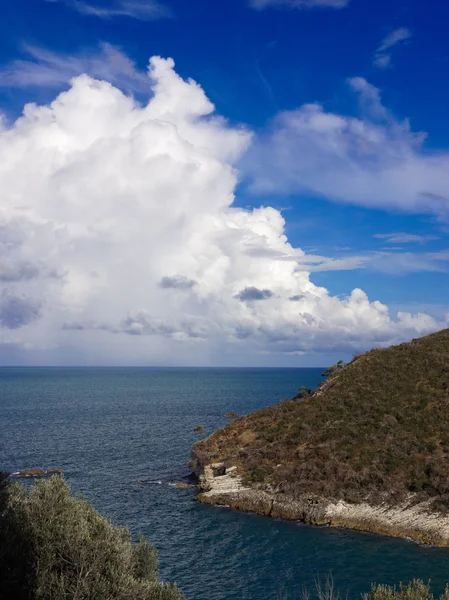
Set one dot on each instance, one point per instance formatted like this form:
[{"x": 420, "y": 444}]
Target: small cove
[{"x": 110, "y": 428}]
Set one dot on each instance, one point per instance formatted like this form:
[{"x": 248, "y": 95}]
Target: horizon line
[{"x": 149, "y": 367}]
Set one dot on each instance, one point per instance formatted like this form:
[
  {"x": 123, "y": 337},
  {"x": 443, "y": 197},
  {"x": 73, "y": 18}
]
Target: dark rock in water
[
  {"x": 37, "y": 473},
  {"x": 150, "y": 481},
  {"x": 193, "y": 477}
]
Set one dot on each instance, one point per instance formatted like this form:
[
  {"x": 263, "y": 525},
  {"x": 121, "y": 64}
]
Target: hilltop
[{"x": 368, "y": 449}]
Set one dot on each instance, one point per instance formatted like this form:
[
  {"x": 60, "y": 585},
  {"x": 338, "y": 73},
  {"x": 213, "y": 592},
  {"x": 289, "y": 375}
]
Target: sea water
[{"x": 123, "y": 435}]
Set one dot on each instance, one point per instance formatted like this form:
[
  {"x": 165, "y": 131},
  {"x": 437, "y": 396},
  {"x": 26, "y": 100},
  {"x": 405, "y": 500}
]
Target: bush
[
  {"x": 334, "y": 369},
  {"x": 71, "y": 552},
  {"x": 303, "y": 393},
  {"x": 415, "y": 590},
  {"x": 15, "y": 576}
]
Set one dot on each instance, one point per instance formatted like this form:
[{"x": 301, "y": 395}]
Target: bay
[{"x": 111, "y": 428}]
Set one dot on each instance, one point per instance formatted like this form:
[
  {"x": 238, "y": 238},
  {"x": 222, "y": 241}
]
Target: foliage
[
  {"x": 376, "y": 430},
  {"x": 255, "y": 476},
  {"x": 415, "y": 590},
  {"x": 303, "y": 392},
  {"x": 15, "y": 576},
  {"x": 4, "y": 483},
  {"x": 71, "y": 552},
  {"x": 199, "y": 429},
  {"x": 335, "y": 368}
]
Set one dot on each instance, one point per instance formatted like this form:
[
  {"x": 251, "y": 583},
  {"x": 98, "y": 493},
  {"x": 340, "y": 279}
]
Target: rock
[
  {"x": 37, "y": 473},
  {"x": 221, "y": 485},
  {"x": 232, "y": 415}
]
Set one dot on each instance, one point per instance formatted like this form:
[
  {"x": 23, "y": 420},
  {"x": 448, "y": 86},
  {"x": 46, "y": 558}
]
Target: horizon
[
  {"x": 150, "y": 367},
  {"x": 258, "y": 184}
]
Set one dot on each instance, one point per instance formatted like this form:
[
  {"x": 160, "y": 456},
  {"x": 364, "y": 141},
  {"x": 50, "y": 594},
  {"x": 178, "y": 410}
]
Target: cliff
[{"x": 369, "y": 449}]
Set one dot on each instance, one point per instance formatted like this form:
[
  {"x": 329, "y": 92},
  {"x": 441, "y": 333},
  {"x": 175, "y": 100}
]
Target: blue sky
[{"x": 376, "y": 76}]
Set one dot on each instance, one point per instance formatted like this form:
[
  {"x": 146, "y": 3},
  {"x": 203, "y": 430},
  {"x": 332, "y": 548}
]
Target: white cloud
[
  {"x": 382, "y": 57},
  {"x": 405, "y": 238},
  {"x": 52, "y": 70},
  {"x": 142, "y": 255},
  {"x": 298, "y": 4},
  {"x": 17, "y": 311},
  {"x": 373, "y": 160},
  {"x": 144, "y": 10},
  {"x": 392, "y": 260},
  {"x": 401, "y": 263},
  {"x": 393, "y": 38}
]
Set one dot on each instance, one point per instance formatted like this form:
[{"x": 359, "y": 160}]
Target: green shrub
[
  {"x": 415, "y": 590},
  {"x": 257, "y": 476},
  {"x": 303, "y": 392},
  {"x": 15, "y": 576},
  {"x": 71, "y": 552},
  {"x": 334, "y": 369}
]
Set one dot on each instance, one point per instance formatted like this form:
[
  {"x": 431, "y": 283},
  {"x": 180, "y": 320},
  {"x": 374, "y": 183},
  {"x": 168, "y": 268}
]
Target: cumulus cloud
[
  {"x": 178, "y": 282},
  {"x": 298, "y": 4},
  {"x": 132, "y": 206},
  {"x": 373, "y": 160},
  {"x": 20, "y": 271},
  {"x": 249, "y": 294},
  {"x": 49, "y": 69},
  {"x": 17, "y": 311},
  {"x": 382, "y": 57},
  {"x": 144, "y": 10}
]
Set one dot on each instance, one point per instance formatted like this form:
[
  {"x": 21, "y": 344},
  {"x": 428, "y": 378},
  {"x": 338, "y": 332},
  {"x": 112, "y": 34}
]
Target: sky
[{"x": 228, "y": 183}]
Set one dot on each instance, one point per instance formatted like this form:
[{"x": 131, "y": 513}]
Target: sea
[{"x": 123, "y": 437}]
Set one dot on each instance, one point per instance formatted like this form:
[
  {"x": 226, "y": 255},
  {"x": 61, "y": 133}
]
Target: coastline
[{"x": 223, "y": 486}]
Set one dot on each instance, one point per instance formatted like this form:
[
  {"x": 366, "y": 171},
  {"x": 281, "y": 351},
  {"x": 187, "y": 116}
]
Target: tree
[
  {"x": 71, "y": 552},
  {"x": 334, "y": 369},
  {"x": 303, "y": 393},
  {"x": 15, "y": 577}
]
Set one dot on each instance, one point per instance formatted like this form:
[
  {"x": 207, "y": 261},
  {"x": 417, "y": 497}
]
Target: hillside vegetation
[
  {"x": 55, "y": 546},
  {"x": 376, "y": 430}
]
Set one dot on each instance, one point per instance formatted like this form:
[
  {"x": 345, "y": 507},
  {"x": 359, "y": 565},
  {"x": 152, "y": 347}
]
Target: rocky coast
[
  {"x": 223, "y": 486},
  {"x": 367, "y": 450}
]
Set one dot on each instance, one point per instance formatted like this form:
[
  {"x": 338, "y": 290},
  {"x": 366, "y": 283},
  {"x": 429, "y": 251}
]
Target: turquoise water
[{"x": 110, "y": 428}]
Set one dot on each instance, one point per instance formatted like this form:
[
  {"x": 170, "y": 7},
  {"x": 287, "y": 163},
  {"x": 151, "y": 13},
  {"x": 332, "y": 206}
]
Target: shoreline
[{"x": 223, "y": 486}]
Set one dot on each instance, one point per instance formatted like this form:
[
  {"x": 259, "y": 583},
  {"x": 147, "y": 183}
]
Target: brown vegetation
[
  {"x": 37, "y": 473},
  {"x": 376, "y": 430}
]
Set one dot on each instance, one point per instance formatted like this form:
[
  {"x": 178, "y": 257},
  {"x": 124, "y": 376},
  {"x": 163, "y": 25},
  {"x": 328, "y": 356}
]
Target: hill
[{"x": 374, "y": 437}]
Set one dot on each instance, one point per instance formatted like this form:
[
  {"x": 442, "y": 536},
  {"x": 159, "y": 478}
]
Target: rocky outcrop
[
  {"x": 220, "y": 485},
  {"x": 37, "y": 473}
]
